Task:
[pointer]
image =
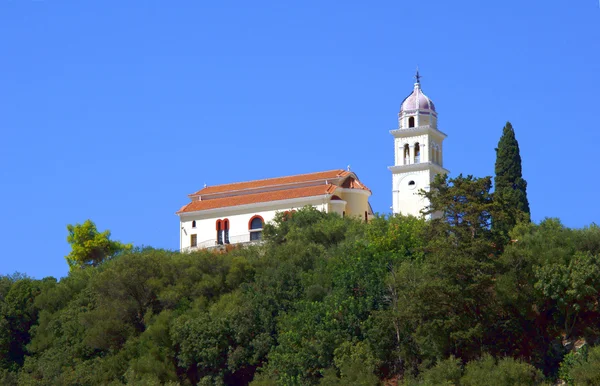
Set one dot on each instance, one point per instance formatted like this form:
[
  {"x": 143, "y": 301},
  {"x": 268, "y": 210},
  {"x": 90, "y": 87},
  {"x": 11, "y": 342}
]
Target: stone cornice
[
  {"x": 418, "y": 167},
  {"x": 413, "y": 131}
]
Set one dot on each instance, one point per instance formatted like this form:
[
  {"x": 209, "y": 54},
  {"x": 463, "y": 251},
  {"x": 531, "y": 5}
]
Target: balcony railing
[{"x": 212, "y": 243}]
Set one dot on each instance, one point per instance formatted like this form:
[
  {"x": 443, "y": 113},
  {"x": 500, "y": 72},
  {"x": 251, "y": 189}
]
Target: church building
[{"x": 236, "y": 213}]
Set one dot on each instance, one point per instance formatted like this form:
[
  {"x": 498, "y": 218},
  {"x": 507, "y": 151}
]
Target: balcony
[{"x": 213, "y": 243}]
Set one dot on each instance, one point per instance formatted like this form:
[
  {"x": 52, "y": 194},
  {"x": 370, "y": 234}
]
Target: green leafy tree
[
  {"x": 18, "y": 314},
  {"x": 573, "y": 285},
  {"x": 581, "y": 367},
  {"x": 90, "y": 247},
  {"x": 504, "y": 372},
  {"x": 356, "y": 365},
  {"x": 462, "y": 210},
  {"x": 455, "y": 298},
  {"x": 446, "y": 372},
  {"x": 511, "y": 188}
]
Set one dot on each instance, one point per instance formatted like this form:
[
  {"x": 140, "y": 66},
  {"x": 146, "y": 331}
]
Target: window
[
  {"x": 194, "y": 224},
  {"x": 411, "y": 183},
  {"x": 226, "y": 231},
  {"x": 417, "y": 153},
  {"x": 406, "y": 154},
  {"x": 193, "y": 240},
  {"x": 411, "y": 122},
  {"x": 255, "y": 225},
  {"x": 366, "y": 216},
  {"x": 219, "y": 232}
]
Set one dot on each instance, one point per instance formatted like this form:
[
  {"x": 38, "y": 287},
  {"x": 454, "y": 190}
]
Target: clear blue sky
[{"x": 116, "y": 110}]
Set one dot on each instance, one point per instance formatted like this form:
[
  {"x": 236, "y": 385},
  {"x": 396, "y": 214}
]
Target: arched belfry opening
[
  {"x": 406, "y": 154},
  {"x": 411, "y": 122},
  {"x": 417, "y": 153}
]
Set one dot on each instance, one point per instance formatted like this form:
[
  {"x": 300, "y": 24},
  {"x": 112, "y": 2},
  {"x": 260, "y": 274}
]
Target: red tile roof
[
  {"x": 352, "y": 183},
  {"x": 277, "y": 195},
  {"x": 300, "y": 178}
]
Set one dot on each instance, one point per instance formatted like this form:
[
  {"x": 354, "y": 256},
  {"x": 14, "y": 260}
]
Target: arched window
[
  {"x": 417, "y": 153},
  {"x": 406, "y": 155},
  {"x": 194, "y": 224},
  {"x": 255, "y": 226},
  {"x": 411, "y": 122},
  {"x": 219, "y": 232},
  {"x": 366, "y": 216},
  {"x": 226, "y": 231}
]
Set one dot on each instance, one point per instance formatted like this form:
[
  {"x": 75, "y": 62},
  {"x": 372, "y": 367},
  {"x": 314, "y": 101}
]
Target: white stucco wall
[
  {"x": 406, "y": 198},
  {"x": 239, "y": 218}
]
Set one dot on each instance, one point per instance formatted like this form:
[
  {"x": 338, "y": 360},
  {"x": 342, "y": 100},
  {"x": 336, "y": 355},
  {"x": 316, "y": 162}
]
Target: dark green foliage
[
  {"x": 582, "y": 367},
  {"x": 18, "y": 314},
  {"x": 458, "y": 272},
  {"x": 511, "y": 188},
  {"x": 324, "y": 301}
]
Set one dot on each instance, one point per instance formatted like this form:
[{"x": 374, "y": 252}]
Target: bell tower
[{"x": 418, "y": 152}]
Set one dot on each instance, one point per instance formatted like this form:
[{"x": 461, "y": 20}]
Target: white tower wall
[{"x": 417, "y": 153}]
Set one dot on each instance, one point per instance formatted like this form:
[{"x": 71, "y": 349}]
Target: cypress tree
[{"x": 511, "y": 188}]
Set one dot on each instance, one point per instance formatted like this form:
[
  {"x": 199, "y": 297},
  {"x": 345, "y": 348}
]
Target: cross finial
[{"x": 417, "y": 76}]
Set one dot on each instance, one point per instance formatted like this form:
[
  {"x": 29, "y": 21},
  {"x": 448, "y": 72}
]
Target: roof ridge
[
  {"x": 340, "y": 173},
  {"x": 315, "y": 190}
]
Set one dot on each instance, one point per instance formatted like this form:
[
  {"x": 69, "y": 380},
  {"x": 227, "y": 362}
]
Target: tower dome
[
  {"x": 417, "y": 101},
  {"x": 417, "y": 109}
]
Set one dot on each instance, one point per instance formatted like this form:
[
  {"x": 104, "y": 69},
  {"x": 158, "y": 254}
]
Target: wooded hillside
[{"x": 324, "y": 301}]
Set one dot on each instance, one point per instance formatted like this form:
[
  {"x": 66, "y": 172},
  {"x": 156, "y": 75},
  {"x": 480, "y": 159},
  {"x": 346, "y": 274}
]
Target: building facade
[
  {"x": 236, "y": 213},
  {"x": 418, "y": 152}
]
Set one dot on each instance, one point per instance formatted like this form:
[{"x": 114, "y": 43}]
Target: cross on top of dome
[
  {"x": 417, "y": 100},
  {"x": 417, "y": 76}
]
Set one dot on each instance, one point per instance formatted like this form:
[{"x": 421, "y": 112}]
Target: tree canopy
[
  {"x": 511, "y": 188},
  {"x": 89, "y": 247},
  {"x": 324, "y": 300}
]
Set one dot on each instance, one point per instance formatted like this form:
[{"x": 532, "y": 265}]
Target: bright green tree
[
  {"x": 90, "y": 247},
  {"x": 511, "y": 188}
]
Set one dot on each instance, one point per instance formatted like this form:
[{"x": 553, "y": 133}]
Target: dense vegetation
[
  {"x": 325, "y": 300},
  {"x": 476, "y": 296}
]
